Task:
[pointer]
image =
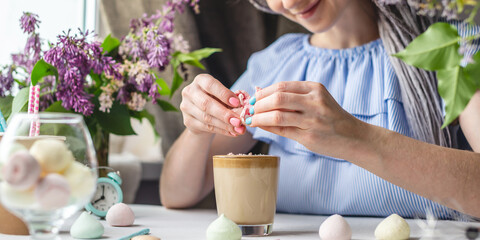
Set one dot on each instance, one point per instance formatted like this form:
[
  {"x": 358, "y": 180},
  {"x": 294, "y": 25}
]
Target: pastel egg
[
  {"x": 22, "y": 171},
  {"x": 120, "y": 215},
  {"x": 145, "y": 237},
  {"x": 80, "y": 179},
  {"x": 335, "y": 227},
  {"x": 53, "y": 191},
  {"x": 53, "y": 155}
]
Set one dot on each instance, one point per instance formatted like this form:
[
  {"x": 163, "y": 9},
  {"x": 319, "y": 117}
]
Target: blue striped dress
[{"x": 363, "y": 82}]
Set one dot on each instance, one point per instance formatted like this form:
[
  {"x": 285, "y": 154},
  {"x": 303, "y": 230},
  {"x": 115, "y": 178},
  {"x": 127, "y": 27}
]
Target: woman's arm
[
  {"x": 187, "y": 174},
  {"x": 307, "y": 113}
]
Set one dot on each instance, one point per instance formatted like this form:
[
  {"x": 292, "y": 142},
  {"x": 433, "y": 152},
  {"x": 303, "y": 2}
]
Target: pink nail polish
[
  {"x": 234, "y": 101},
  {"x": 235, "y": 122},
  {"x": 239, "y": 129}
]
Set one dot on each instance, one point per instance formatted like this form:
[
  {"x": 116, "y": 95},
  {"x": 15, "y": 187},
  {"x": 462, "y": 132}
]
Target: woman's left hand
[{"x": 307, "y": 113}]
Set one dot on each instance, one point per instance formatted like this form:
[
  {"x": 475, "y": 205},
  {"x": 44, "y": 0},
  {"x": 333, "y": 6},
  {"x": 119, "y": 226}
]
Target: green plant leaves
[
  {"x": 42, "y": 69},
  {"x": 117, "y": 121},
  {"x": 163, "y": 86},
  {"x": 435, "y": 49},
  {"x": 456, "y": 89},
  {"x": 166, "y": 106},
  {"x": 6, "y": 106},
  {"x": 20, "y": 102},
  {"x": 57, "y": 107},
  {"x": 110, "y": 44}
]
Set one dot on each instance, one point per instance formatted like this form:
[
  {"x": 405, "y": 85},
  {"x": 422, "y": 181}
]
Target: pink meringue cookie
[
  {"x": 53, "y": 191},
  {"x": 120, "y": 215},
  {"x": 22, "y": 171}
]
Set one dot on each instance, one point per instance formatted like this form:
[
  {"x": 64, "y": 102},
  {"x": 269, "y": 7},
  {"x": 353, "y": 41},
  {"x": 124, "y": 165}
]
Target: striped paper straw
[{"x": 33, "y": 105}]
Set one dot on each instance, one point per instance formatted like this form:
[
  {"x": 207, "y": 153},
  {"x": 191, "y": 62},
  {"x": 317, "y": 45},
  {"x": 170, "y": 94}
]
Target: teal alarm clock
[{"x": 107, "y": 194}]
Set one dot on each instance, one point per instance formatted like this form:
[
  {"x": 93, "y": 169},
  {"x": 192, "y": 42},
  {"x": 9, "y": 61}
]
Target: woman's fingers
[
  {"x": 281, "y": 101},
  {"x": 300, "y": 87},
  {"x": 215, "y": 88},
  {"x": 277, "y": 118},
  {"x": 206, "y": 118}
]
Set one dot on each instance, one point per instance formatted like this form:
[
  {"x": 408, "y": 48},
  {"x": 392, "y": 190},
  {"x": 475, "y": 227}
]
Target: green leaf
[
  {"x": 20, "y": 102},
  {"x": 177, "y": 81},
  {"x": 456, "y": 89},
  {"x": 6, "y": 106},
  {"x": 110, "y": 43},
  {"x": 435, "y": 49},
  {"x": 145, "y": 114},
  {"x": 42, "y": 69},
  {"x": 117, "y": 121},
  {"x": 189, "y": 59},
  {"x": 204, "y": 53},
  {"x": 163, "y": 86},
  {"x": 96, "y": 78},
  {"x": 57, "y": 107},
  {"x": 166, "y": 106}
]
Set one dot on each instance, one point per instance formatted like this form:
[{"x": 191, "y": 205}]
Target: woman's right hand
[{"x": 207, "y": 107}]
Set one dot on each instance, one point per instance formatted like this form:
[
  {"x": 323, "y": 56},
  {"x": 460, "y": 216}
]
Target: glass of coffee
[{"x": 246, "y": 190}]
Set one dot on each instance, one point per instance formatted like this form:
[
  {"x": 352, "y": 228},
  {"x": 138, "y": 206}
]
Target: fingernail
[
  {"x": 234, "y": 101},
  {"x": 252, "y": 100},
  {"x": 248, "y": 121},
  {"x": 239, "y": 129},
  {"x": 235, "y": 122},
  {"x": 251, "y": 111}
]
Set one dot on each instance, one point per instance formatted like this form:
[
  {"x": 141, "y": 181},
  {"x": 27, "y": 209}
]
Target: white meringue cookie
[
  {"x": 335, "y": 227},
  {"x": 53, "y": 155},
  {"x": 392, "y": 228}
]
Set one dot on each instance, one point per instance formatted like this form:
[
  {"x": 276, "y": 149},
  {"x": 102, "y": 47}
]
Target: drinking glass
[{"x": 48, "y": 169}]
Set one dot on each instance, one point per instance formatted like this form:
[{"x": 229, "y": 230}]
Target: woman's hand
[
  {"x": 306, "y": 112},
  {"x": 207, "y": 107}
]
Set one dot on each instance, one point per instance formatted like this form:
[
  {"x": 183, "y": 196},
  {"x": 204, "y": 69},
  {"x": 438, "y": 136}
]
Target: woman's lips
[{"x": 308, "y": 12}]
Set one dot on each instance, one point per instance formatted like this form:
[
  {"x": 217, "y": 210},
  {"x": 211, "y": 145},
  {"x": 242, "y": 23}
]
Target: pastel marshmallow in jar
[
  {"x": 80, "y": 178},
  {"x": 53, "y": 155},
  {"x": 53, "y": 192},
  {"x": 21, "y": 171}
]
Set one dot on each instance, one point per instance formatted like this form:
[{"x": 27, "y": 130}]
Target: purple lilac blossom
[
  {"x": 74, "y": 57},
  {"x": 28, "y": 22},
  {"x": 6, "y": 82}
]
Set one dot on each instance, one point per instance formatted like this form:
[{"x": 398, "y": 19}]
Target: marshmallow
[
  {"x": 335, "y": 227},
  {"x": 22, "y": 171},
  {"x": 223, "y": 229},
  {"x": 120, "y": 215},
  {"x": 80, "y": 179},
  {"x": 14, "y": 198},
  {"x": 52, "y": 154},
  {"x": 53, "y": 191},
  {"x": 392, "y": 228}
]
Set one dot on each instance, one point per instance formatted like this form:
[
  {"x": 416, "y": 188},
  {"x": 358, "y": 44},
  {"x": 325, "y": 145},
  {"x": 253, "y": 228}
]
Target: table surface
[{"x": 192, "y": 224}]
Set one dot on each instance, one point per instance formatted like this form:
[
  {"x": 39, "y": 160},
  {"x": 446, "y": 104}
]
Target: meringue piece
[
  {"x": 53, "y": 191},
  {"x": 16, "y": 198},
  {"x": 120, "y": 215},
  {"x": 392, "y": 228},
  {"x": 53, "y": 155},
  {"x": 80, "y": 179},
  {"x": 335, "y": 227},
  {"x": 22, "y": 171},
  {"x": 145, "y": 237},
  {"x": 223, "y": 229},
  {"x": 86, "y": 226}
]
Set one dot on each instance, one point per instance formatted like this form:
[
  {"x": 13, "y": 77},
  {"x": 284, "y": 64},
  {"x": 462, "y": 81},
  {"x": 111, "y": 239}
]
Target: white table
[{"x": 191, "y": 224}]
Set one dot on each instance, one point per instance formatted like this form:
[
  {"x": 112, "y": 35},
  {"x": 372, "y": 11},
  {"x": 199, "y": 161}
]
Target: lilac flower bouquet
[{"x": 107, "y": 82}]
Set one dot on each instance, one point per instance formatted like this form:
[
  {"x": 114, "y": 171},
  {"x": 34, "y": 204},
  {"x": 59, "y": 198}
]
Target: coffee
[{"x": 246, "y": 189}]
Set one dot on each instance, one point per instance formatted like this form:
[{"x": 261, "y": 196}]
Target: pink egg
[
  {"x": 22, "y": 171},
  {"x": 53, "y": 191},
  {"x": 120, "y": 215}
]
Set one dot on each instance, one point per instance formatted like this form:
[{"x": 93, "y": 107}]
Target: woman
[{"x": 357, "y": 132}]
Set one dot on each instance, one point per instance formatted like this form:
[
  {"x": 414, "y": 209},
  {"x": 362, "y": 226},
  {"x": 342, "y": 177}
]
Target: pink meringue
[
  {"x": 120, "y": 215},
  {"x": 22, "y": 171}
]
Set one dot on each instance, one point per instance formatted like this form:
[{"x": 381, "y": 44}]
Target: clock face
[{"x": 105, "y": 197}]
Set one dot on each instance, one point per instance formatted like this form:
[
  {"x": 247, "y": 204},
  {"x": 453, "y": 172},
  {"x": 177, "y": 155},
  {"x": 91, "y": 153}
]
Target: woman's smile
[{"x": 309, "y": 10}]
